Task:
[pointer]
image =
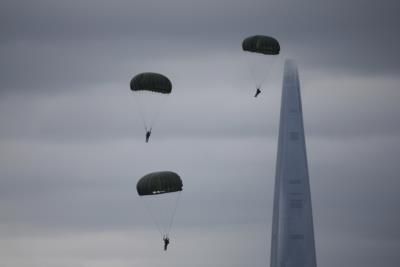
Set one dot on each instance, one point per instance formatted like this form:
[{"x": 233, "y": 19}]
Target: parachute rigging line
[{"x": 173, "y": 213}]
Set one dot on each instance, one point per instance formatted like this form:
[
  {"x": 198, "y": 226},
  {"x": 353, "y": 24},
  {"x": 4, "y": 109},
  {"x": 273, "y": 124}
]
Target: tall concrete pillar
[{"x": 292, "y": 223}]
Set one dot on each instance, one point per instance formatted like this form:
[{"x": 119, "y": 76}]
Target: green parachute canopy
[
  {"x": 150, "y": 81},
  {"x": 159, "y": 183},
  {"x": 261, "y": 44}
]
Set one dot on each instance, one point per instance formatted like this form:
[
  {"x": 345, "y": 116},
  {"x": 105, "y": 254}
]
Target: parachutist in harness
[
  {"x": 148, "y": 133},
  {"x": 166, "y": 242},
  {"x": 257, "y": 92},
  {"x": 264, "y": 47},
  {"x": 163, "y": 210},
  {"x": 150, "y": 90}
]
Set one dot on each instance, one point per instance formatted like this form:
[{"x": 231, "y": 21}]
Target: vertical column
[{"x": 292, "y": 242}]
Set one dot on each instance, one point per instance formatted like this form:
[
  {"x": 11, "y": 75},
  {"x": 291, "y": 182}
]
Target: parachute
[
  {"x": 261, "y": 44},
  {"x": 261, "y": 52},
  {"x": 150, "y": 91},
  {"x": 160, "y": 192},
  {"x": 159, "y": 183},
  {"x": 150, "y": 81}
]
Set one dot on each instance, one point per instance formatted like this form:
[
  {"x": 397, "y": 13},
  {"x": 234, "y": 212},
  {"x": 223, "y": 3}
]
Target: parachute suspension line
[
  {"x": 173, "y": 214},
  {"x": 272, "y": 61},
  {"x": 141, "y": 114},
  {"x": 259, "y": 77},
  {"x": 254, "y": 76},
  {"x": 148, "y": 210},
  {"x": 158, "y": 111},
  {"x": 144, "y": 122},
  {"x": 149, "y": 105},
  {"x": 263, "y": 80}
]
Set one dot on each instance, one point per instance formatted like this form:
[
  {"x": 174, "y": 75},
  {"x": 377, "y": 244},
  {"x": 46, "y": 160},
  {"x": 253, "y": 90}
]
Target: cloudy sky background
[{"x": 72, "y": 145}]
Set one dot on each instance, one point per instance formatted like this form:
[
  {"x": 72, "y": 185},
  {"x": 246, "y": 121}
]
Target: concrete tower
[{"x": 292, "y": 242}]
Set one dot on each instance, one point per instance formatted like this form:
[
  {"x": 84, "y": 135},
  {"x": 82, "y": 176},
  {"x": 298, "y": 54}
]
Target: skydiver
[
  {"x": 148, "y": 133},
  {"x": 166, "y": 242},
  {"x": 257, "y": 92}
]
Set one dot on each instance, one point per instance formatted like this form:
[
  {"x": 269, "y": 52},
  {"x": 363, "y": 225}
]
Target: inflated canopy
[
  {"x": 261, "y": 44},
  {"x": 159, "y": 183},
  {"x": 150, "y": 81}
]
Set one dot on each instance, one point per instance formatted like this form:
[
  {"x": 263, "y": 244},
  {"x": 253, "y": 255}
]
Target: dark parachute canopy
[
  {"x": 150, "y": 81},
  {"x": 159, "y": 183},
  {"x": 261, "y": 44}
]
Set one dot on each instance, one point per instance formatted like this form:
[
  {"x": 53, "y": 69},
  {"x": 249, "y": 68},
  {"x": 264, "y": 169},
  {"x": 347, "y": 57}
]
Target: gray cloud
[
  {"x": 50, "y": 44},
  {"x": 72, "y": 148}
]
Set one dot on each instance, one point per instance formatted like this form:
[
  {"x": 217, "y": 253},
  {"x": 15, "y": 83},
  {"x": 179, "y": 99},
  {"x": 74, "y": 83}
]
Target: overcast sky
[{"x": 72, "y": 142}]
